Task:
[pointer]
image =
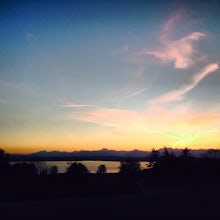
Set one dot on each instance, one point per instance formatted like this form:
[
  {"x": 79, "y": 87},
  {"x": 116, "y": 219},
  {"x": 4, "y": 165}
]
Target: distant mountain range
[{"x": 98, "y": 154}]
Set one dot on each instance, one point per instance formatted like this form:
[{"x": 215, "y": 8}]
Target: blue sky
[{"x": 117, "y": 74}]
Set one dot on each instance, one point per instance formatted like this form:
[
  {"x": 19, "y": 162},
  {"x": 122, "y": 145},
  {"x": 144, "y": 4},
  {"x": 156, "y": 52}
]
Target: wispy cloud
[
  {"x": 183, "y": 117},
  {"x": 205, "y": 118},
  {"x": 74, "y": 105},
  {"x": 178, "y": 94},
  {"x": 167, "y": 29},
  {"x": 106, "y": 115},
  {"x": 133, "y": 94},
  {"x": 181, "y": 52}
]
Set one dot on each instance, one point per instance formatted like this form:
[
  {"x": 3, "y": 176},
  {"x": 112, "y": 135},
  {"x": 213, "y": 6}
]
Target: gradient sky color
[{"x": 109, "y": 74}]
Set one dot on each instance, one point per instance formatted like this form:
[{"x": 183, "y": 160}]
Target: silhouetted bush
[
  {"x": 77, "y": 169},
  {"x": 23, "y": 169},
  {"x": 5, "y": 168},
  {"x": 129, "y": 167},
  {"x": 101, "y": 169},
  {"x": 42, "y": 168},
  {"x": 53, "y": 170},
  {"x": 3, "y": 157}
]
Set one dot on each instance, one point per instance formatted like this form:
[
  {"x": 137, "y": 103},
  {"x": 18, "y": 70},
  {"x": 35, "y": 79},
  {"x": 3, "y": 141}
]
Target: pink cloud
[
  {"x": 177, "y": 94},
  {"x": 154, "y": 119},
  {"x": 168, "y": 26},
  {"x": 106, "y": 115},
  {"x": 210, "y": 117},
  {"x": 183, "y": 116},
  {"x": 181, "y": 52}
]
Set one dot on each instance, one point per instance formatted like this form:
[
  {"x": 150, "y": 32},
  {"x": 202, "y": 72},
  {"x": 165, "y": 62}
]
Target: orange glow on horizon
[{"x": 146, "y": 144}]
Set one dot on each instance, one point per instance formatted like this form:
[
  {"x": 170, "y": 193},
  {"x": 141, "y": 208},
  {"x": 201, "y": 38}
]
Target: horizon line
[{"x": 102, "y": 149}]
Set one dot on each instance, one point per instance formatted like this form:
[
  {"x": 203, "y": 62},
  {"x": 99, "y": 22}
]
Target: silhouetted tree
[
  {"x": 186, "y": 153},
  {"x": 77, "y": 169},
  {"x": 53, "y": 170},
  {"x": 166, "y": 154},
  {"x": 101, "y": 169},
  {"x": 153, "y": 157},
  {"x": 41, "y": 167},
  {"x": 24, "y": 169},
  {"x": 3, "y": 157},
  {"x": 5, "y": 166},
  {"x": 129, "y": 167}
]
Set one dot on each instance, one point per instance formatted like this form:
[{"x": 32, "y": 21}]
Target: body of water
[{"x": 111, "y": 166}]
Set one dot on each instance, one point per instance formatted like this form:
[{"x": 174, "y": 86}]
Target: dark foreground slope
[
  {"x": 152, "y": 204},
  {"x": 172, "y": 188}
]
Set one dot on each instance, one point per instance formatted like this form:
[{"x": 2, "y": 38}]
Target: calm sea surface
[{"x": 111, "y": 166}]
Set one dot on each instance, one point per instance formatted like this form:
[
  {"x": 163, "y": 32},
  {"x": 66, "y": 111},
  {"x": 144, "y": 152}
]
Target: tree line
[
  {"x": 128, "y": 165},
  {"x": 35, "y": 179}
]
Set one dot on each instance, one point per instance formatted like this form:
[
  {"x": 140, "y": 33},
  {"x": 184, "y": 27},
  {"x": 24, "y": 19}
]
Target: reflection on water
[{"x": 112, "y": 166}]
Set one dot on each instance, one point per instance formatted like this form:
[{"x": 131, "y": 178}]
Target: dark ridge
[{"x": 103, "y": 154}]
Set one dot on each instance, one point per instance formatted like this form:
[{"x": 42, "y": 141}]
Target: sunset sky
[{"x": 123, "y": 75}]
